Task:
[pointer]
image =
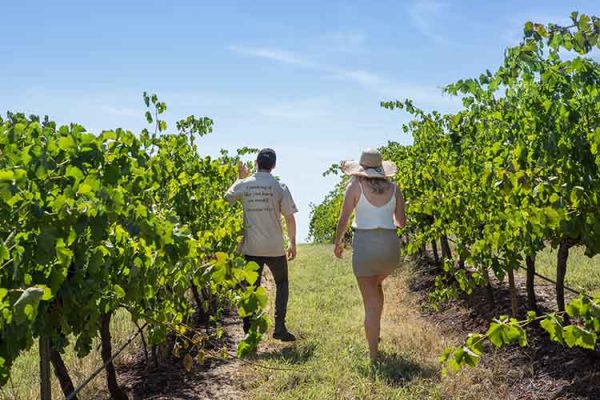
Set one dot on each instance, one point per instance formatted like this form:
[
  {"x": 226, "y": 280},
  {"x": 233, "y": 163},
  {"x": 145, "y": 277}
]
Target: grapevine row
[
  {"x": 90, "y": 224},
  {"x": 515, "y": 170}
]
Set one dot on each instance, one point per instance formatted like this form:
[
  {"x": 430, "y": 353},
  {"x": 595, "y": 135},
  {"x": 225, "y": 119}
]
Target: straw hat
[{"x": 370, "y": 165}]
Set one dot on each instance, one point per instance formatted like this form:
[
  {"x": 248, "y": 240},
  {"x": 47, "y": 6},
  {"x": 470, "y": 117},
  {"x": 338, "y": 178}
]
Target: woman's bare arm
[
  {"x": 399, "y": 212},
  {"x": 350, "y": 200}
]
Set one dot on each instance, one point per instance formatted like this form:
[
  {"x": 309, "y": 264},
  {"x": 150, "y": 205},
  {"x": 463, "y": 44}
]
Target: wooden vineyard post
[
  {"x": 561, "y": 271},
  {"x": 45, "y": 388},
  {"x": 530, "y": 262},
  {"x": 513, "y": 292},
  {"x": 115, "y": 390},
  {"x": 434, "y": 250},
  {"x": 489, "y": 291},
  {"x": 446, "y": 252}
]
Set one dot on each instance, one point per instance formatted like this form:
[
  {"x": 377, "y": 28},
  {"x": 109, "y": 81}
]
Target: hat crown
[
  {"x": 370, "y": 158},
  {"x": 371, "y": 165}
]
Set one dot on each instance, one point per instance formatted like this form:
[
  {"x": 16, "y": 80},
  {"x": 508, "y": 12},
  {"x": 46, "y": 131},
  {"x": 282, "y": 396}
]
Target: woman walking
[{"x": 379, "y": 210}]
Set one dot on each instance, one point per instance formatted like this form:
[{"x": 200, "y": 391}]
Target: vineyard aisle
[{"x": 329, "y": 361}]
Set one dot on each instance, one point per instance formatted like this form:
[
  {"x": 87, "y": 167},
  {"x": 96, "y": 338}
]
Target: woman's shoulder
[
  {"x": 352, "y": 182},
  {"x": 398, "y": 191},
  {"x": 353, "y": 185}
]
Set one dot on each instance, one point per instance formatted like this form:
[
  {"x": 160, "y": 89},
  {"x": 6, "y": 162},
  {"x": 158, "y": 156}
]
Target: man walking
[{"x": 264, "y": 201}]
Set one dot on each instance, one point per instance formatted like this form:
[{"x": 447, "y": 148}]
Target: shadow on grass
[
  {"x": 396, "y": 370},
  {"x": 297, "y": 353}
]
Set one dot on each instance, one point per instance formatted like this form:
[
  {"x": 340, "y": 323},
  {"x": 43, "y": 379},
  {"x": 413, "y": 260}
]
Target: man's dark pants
[{"x": 279, "y": 270}]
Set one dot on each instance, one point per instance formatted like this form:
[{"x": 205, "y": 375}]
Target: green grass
[
  {"x": 583, "y": 273},
  {"x": 330, "y": 361},
  {"x": 24, "y": 382}
]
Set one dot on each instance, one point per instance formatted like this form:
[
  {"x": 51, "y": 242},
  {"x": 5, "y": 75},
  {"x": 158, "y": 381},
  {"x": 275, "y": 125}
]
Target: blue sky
[{"x": 302, "y": 77}]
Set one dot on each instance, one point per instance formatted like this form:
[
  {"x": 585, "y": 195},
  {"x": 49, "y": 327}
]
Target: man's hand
[
  {"x": 291, "y": 252},
  {"x": 290, "y": 223},
  {"x": 243, "y": 171},
  {"x": 338, "y": 250}
]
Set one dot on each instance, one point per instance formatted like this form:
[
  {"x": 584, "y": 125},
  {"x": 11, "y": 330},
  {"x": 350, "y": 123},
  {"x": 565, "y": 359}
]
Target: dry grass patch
[{"x": 24, "y": 383}]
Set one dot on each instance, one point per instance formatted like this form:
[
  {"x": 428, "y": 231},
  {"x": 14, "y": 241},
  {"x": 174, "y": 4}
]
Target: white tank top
[{"x": 368, "y": 216}]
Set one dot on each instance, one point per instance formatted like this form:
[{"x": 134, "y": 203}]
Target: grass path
[{"x": 329, "y": 361}]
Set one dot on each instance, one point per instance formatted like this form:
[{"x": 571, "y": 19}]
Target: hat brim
[{"x": 353, "y": 168}]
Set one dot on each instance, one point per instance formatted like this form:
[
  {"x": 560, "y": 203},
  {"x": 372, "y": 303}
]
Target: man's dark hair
[{"x": 266, "y": 159}]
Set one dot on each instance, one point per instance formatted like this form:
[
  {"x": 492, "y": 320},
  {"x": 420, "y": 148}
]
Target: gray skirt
[{"x": 375, "y": 252}]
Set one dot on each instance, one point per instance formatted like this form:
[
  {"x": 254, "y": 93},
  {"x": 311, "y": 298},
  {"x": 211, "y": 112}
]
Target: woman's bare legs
[{"x": 372, "y": 294}]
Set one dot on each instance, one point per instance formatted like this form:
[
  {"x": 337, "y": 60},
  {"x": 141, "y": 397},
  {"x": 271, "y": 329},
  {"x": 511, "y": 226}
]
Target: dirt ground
[
  {"x": 543, "y": 369},
  {"x": 217, "y": 378}
]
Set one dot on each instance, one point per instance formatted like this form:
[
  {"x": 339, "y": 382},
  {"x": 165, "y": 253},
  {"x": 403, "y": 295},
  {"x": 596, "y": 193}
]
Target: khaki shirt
[{"x": 264, "y": 200}]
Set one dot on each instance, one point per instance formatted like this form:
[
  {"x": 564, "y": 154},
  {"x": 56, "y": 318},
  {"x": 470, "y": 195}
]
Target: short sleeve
[
  {"x": 288, "y": 207},
  {"x": 235, "y": 192}
]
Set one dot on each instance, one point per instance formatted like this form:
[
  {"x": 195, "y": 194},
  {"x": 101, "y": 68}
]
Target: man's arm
[
  {"x": 290, "y": 223},
  {"x": 232, "y": 194},
  {"x": 288, "y": 209}
]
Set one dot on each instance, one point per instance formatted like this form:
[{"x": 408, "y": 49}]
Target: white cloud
[
  {"x": 270, "y": 54},
  {"x": 307, "y": 109},
  {"x": 425, "y": 96},
  {"x": 425, "y": 15},
  {"x": 287, "y": 57},
  {"x": 364, "y": 78}
]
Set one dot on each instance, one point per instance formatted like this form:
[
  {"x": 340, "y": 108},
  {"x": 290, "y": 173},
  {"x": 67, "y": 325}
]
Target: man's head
[{"x": 266, "y": 159}]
